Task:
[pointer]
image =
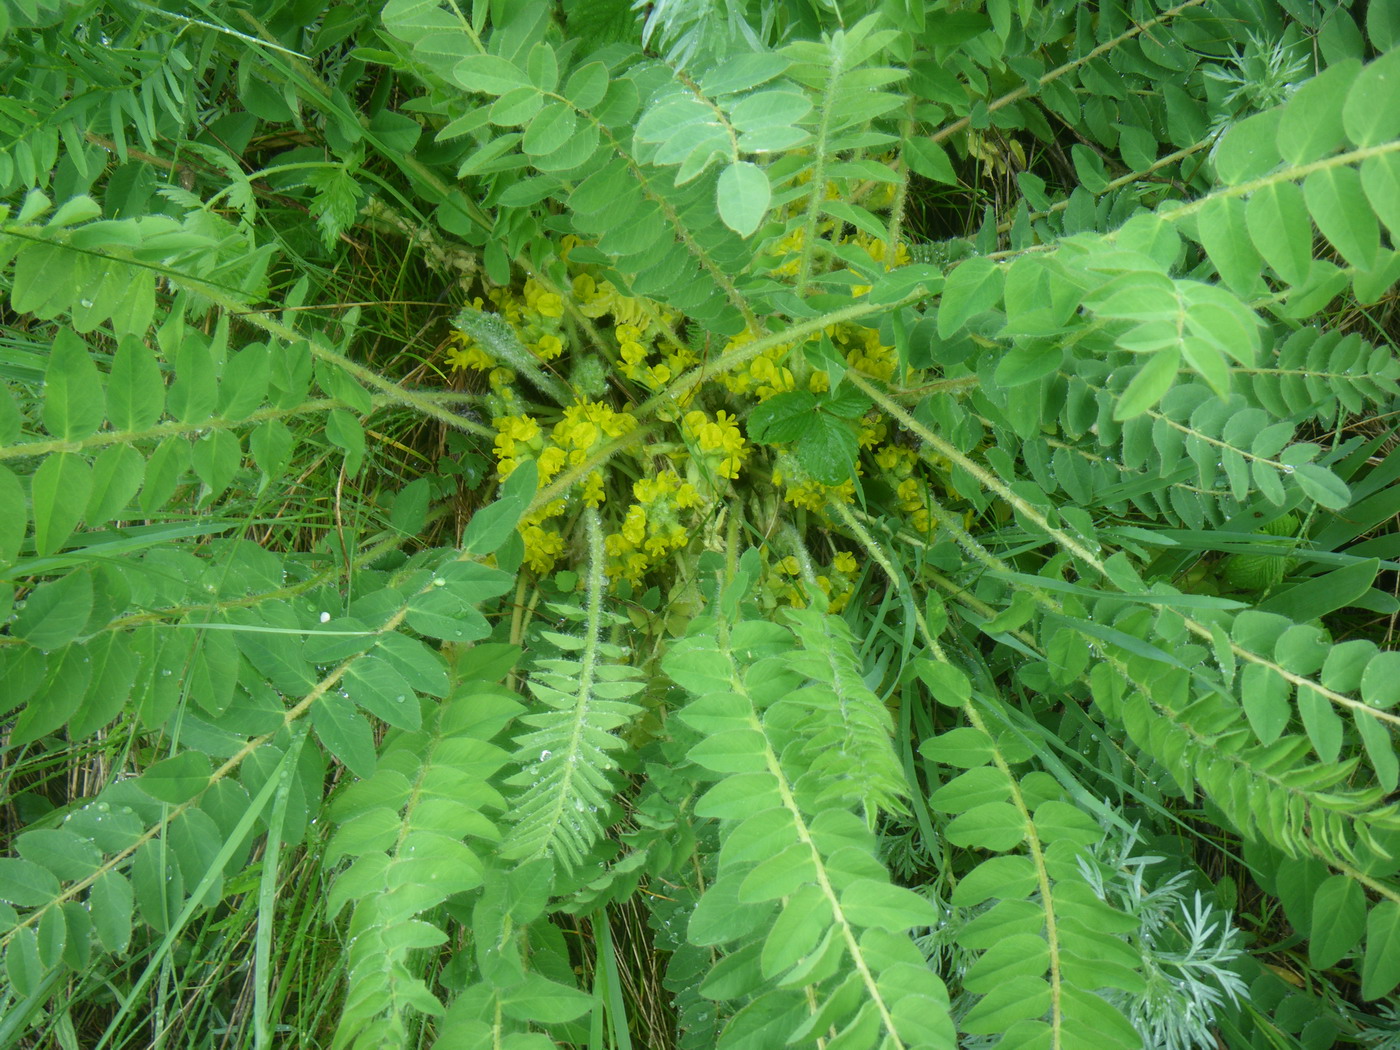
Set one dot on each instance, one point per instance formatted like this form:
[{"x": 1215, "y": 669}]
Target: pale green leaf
[
  {"x": 868, "y": 902},
  {"x": 1248, "y": 149},
  {"x": 1152, "y": 381},
  {"x": 1311, "y": 125},
  {"x": 975, "y": 286},
  {"x": 60, "y": 489},
  {"x": 73, "y": 399},
  {"x": 1339, "y": 207},
  {"x": 1370, "y": 115},
  {"x": 489, "y": 74},
  {"x": 742, "y": 196}
]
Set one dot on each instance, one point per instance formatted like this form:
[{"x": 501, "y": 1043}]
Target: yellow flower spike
[
  {"x": 844, "y": 561},
  {"x": 818, "y": 383}
]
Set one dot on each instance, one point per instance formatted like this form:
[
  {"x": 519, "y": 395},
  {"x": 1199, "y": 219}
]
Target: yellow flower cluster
[
  {"x": 721, "y": 443},
  {"x": 813, "y": 495},
  {"x": 837, "y": 584},
  {"x": 634, "y": 349},
  {"x": 864, "y": 351},
  {"x": 651, "y": 528},
  {"x": 764, "y": 375},
  {"x": 536, "y": 315},
  {"x": 700, "y": 449}
]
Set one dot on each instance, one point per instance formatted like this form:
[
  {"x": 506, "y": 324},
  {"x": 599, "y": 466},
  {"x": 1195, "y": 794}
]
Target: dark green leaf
[
  {"x": 828, "y": 449},
  {"x": 782, "y": 417},
  {"x": 55, "y": 612},
  {"x": 1339, "y": 915},
  {"x": 345, "y": 733},
  {"x": 178, "y": 778}
]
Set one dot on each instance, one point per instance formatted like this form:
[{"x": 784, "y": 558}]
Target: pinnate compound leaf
[
  {"x": 375, "y": 685},
  {"x": 14, "y": 520},
  {"x": 975, "y": 286},
  {"x": 22, "y": 965},
  {"x": 1322, "y": 485},
  {"x": 1311, "y": 122},
  {"x": 1019, "y": 998},
  {"x": 1339, "y": 207},
  {"x": 743, "y": 194},
  {"x": 135, "y": 390},
  {"x": 1380, "y": 178},
  {"x": 1278, "y": 223},
  {"x": 1248, "y": 149},
  {"x": 930, "y": 159},
  {"x": 345, "y": 733},
  {"x": 111, "y": 901}
]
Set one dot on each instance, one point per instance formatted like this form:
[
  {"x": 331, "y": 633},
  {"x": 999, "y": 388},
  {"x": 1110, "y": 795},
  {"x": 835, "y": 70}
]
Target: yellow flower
[
  {"x": 549, "y": 347},
  {"x": 845, "y": 561},
  {"x": 464, "y": 354},
  {"x": 551, "y": 461},
  {"x": 634, "y": 525},
  {"x": 593, "y": 489}
]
